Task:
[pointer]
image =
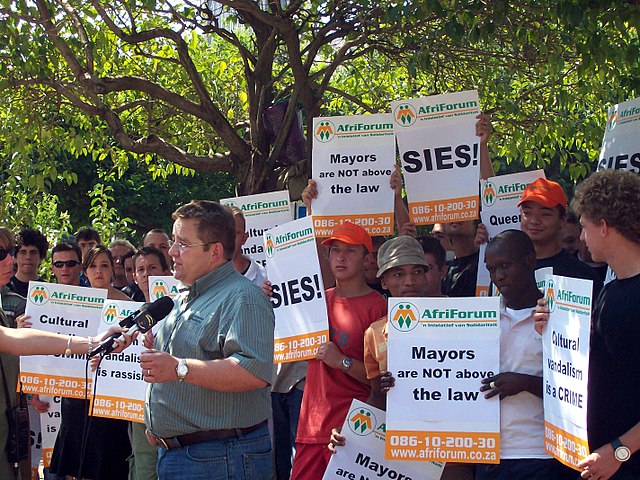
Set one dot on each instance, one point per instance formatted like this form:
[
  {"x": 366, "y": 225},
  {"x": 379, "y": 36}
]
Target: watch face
[{"x": 622, "y": 453}]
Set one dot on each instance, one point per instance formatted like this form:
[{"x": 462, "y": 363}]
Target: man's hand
[
  {"x": 23, "y": 321},
  {"x": 409, "y": 229},
  {"x": 39, "y": 405},
  {"x": 266, "y": 288},
  {"x": 507, "y": 384},
  {"x": 152, "y": 440},
  {"x": 482, "y": 236},
  {"x": 158, "y": 367},
  {"x": 386, "y": 382},
  {"x": 600, "y": 465},
  {"x": 541, "y": 317},
  {"x": 337, "y": 440},
  {"x": 483, "y": 128},
  {"x": 330, "y": 354},
  {"x": 148, "y": 340},
  {"x": 395, "y": 182},
  {"x": 309, "y": 193}
]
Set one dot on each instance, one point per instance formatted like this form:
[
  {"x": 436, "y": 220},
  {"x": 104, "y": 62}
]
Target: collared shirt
[
  {"x": 521, "y": 415},
  {"x": 223, "y": 315}
]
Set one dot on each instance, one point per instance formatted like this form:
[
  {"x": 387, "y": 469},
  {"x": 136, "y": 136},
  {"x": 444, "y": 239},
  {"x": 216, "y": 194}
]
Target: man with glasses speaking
[{"x": 208, "y": 374}]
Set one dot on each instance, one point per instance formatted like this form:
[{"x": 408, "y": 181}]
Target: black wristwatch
[{"x": 621, "y": 452}]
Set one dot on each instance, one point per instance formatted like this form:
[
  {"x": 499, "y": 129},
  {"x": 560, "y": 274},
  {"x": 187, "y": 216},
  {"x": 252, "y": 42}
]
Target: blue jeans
[
  {"x": 286, "y": 412},
  {"x": 520, "y": 469},
  {"x": 244, "y": 458}
]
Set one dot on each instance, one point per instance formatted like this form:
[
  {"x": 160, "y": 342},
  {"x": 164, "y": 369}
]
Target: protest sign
[
  {"x": 500, "y": 196},
  {"x": 362, "y": 456},
  {"x": 298, "y": 294},
  {"x": 440, "y": 156},
  {"x": 36, "y": 442},
  {"x": 162, "y": 286},
  {"x": 439, "y": 351},
  {"x": 67, "y": 310},
  {"x": 621, "y": 142},
  {"x": 49, "y": 427},
  {"x": 261, "y": 212},
  {"x": 120, "y": 389},
  {"x": 353, "y": 159},
  {"x": 565, "y": 357}
]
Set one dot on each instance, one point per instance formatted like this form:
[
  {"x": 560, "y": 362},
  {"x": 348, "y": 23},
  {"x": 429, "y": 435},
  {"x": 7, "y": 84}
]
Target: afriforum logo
[
  {"x": 110, "y": 313},
  {"x": 405, "y": 115},
  {"x": 362, "y": 421},
  {"x": 39, "y": 295},
  {"x": 612, "y": 118},
  {"x": 325, "y": 131},
  {"x": 159, "y": 289},
  {"x": 489, "y": 194},
  {"x": 551, "y": 295},
  {"x": 270, "y": 247},
  {"x": 404, "y": 316}
]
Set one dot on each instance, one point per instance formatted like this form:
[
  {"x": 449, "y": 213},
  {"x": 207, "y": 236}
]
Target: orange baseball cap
[
  {"x": 352, "y": 234},
  {"x": 545, "y": 192}
]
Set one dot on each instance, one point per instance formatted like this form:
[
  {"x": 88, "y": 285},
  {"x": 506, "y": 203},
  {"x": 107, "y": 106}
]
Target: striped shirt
[{"x": 223, "y": 315}]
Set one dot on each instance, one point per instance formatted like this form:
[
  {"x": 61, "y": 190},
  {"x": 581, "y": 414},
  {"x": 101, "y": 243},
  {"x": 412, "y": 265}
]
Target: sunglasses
[
  {"x": 5, "y": 252},
  {"x": 68, "y": 263}
]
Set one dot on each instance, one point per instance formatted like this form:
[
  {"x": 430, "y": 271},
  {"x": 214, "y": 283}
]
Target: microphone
[{"x": 142, "y": 322}]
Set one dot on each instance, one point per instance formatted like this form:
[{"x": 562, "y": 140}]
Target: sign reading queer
[
  {"x": 362, "y": 456},
  {"x": 621, "y": 142},
  {"x": 500, "y": 196},
  {"x": 353, "y": 158},
  {"x": 439, "y": 351},
  {"x": 565, "y": 357},
  {"x": 120, "y": 389},
  {"x": 261, "y": 212},
  {"x": 439, "y": 148},
  {"x": 66, "y": 310},
  {"x": 298, "y": 293}
]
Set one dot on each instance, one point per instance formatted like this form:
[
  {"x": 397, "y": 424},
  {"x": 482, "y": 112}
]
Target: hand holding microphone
[{"x": 143, "y": 321}]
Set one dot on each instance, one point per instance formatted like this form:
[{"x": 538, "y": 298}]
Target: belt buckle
[{"x": 163, "y": 443}]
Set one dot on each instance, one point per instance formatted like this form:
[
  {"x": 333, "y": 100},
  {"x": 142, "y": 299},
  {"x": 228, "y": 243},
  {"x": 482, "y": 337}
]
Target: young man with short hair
[
  {"x": 119, "y": 248},
  {"x": 607, "y": 203},
  {"x": 86, "y": 239},
  {"x": 159, "y": 239},
  {"x": 543, "y": 209},
  {"x": 510, "y": 259},
  {"x": 31, "y": 249},
  {"x": 337, "y": 374}
]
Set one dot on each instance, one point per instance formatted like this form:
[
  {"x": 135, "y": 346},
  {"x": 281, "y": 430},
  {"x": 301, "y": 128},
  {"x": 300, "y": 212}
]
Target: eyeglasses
[
  {"x": 5, "y": 252},
  {"x": 183, "y": 246},
  {"x": 68, "y": 263}
]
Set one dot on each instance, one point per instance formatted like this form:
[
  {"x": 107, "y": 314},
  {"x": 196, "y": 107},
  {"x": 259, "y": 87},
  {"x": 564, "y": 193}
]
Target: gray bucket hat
[{"x": 403, "y": 250}]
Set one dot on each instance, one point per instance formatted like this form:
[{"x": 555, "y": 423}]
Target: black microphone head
[{"x": 154, "y": 313}]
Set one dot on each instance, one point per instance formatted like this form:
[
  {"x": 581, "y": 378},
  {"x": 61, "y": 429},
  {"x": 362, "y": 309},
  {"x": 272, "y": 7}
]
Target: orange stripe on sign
[
  {"x": 54, "y": 385},
  {"x": 376, "y": 224},
  {"x": 298, "y": 347},
  {"x": 460, "y": 447},
  {"x": 444, "y": 211},
  {"x": 564, "y": 446},
  {"x": 118, "y": 408}
]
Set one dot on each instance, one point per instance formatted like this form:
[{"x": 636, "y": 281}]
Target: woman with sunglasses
[{"x": 107, "y": 441}]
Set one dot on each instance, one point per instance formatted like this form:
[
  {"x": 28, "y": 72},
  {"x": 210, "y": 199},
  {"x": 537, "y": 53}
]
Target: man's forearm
[{"x": 224, "y": 375}]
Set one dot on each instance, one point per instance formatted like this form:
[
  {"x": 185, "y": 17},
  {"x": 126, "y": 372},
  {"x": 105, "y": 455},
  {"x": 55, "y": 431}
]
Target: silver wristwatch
[
  {"x": 182, "y": 369},
  {"x": 621, "y": 452},
  {"x": 346, "y": 364}
]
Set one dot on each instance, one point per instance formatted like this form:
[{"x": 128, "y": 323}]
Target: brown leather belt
[{"x": 180, "y": 441}]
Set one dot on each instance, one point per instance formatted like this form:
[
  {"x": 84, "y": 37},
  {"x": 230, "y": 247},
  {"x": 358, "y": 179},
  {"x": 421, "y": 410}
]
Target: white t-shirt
[{"x": 521, "y": 415}]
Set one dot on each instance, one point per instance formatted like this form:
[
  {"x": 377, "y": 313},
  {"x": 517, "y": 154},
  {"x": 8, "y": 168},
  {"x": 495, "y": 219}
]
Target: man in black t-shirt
[
  {"x": 543, "y": 209},
  {"x": 607, "y": 203}
]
